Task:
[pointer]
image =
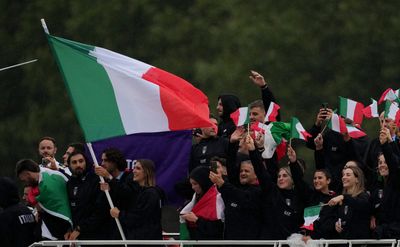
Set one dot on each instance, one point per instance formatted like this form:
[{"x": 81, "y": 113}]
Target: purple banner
[{"x": 170, "y": 152}]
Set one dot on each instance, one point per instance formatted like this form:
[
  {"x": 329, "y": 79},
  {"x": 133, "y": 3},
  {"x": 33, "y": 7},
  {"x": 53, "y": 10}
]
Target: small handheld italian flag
[
  {"x": 311, "y": 214},
  {"x": 274, "y": 134},
  {"x": 371, "y": 111},
  {"x": 390, "y": 95},
  {"x": 392, "y": 111},
  {"x": 351, "y": 109},
  {"x": 336, "y": 123},
  {"x": 241, "y": 116},
  {"x": 297, "y": 130},
  {"x": 272, "y": 112},
  {"x": 354, "y": 132}
]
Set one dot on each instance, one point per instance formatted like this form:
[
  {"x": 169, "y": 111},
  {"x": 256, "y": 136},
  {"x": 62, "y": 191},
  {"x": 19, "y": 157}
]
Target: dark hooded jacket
[
  {"x": 230, "y": 104},
  {"x": 17, "y": 223}
]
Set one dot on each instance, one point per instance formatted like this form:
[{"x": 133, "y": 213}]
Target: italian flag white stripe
[
  {"x": 354, "y": 132},
  {"x": 240, "y": 116},
  {"x": 129, "y": 91},
  {"x": 272, "y": 112},
  {"x": 371, "y": 111},
  {"x": 389, "y": 94},
  {"x": 337, "y": 124},
  {"x": 310, "y": 215},
  {"x": 392, "y": 111},
  {"x": 351, "y": 109}
]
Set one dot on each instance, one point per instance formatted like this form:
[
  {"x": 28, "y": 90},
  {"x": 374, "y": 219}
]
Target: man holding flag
[{"x": 49, "y": 194}]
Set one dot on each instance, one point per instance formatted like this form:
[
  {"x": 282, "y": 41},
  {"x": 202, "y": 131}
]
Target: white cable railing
[{"x": 274, "y": 243}]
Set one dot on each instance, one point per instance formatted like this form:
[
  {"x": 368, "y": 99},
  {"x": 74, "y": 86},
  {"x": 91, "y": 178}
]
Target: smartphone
[
  {"x": 44, "y": 162},
  {"x": 214, "y": 166},
  {"x": 325, "y": 106},
  {"x": 197, "y": 132}
]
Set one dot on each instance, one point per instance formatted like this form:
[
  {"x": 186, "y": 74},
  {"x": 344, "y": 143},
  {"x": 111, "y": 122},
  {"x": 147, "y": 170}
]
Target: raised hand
[{"x": 257, "y": 78}]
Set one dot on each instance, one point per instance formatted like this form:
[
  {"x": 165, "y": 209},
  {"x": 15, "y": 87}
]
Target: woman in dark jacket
[
  {"x": 353, "y": 211},
  {"x": 142, "y": 219},
  {"x": 385, "y": 199},
  {"x": 318, "y": 195},
  {"x": 201, "y": 226},
  {"x": 283, "y": 205}
]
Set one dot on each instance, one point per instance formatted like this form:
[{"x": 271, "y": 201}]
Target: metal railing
[{"x": 274, "y": 243}]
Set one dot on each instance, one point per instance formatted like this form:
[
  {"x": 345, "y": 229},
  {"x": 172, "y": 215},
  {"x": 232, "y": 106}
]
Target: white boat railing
[{"x": 274, "y": 243}]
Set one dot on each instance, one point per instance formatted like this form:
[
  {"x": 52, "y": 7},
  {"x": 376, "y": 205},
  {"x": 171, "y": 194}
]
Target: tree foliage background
[{"x": 309, "y": 52}]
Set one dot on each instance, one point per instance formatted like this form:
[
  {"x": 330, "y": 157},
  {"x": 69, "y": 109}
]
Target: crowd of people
[{"x": 232, "y": 192}]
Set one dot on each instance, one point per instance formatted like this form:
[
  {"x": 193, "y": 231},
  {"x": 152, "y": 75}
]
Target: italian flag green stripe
[{"x": 81, "y": 85}]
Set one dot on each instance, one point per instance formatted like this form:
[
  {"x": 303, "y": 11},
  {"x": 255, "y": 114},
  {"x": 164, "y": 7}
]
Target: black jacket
[
  {"x": 371, "y": 160},
  {"x": 282, "y": 209},
  {"x": 355, "y": 217},
  {"x": 89, "y": 207},
  {"x": 203, "y": 151},
  {"x": 385, "y": 200},
  {"x": 243, "y": 216},
  {"x": 142, "y": 219},
  {"x": 17, "y": 223}
]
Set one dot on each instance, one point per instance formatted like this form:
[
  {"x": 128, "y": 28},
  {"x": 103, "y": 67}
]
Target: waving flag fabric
[
  {"x": 371, "y": 111},
  {"x": 272, "y": 112},
  {"x": 351, "y": 109},
  {"x": 354, "y": 132},
  {"x": 274, "y": 134},
  {"x": 114, "y": 95},
  {"x": 210, "y": 207},
  {"x": 241, "y": 116},
  {"x": 53, "y": 198},
  {"x": 389, "y": 94},
  {"x": 392, "y": 111},
  {"x": 311, "y": 214},
  {"x": 297, "y": 130},
  {"x": 336, "y": 123}
]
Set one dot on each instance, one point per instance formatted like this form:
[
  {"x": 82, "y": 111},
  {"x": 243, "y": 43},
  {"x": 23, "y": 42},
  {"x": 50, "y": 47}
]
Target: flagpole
[
  {"x": 46, "y": 30},
  {"x": 17, "y": 65},
  {"x": 106, "y": 191}
]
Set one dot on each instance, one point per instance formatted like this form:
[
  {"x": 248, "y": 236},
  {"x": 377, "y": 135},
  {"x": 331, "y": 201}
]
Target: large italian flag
[
  {"x": 351, "y": 109},
  {"x": 114, "y": 95}
]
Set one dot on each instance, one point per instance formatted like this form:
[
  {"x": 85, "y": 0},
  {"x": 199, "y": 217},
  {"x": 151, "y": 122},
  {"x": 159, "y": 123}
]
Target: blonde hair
[
  {"x": 289, "y": 172},
  {"x": 358, "y": 187},
  {"x": 149, "y": 172}
]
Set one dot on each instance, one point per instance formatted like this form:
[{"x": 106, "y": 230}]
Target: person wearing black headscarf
[{"x": 227, "y": 103}]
